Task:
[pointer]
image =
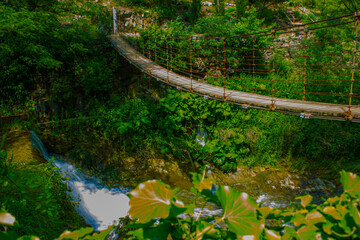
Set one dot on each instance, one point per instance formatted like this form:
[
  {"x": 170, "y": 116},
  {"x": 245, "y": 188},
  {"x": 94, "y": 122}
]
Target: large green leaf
[
  {"x": 332, "y": 212},
  {"x": 239, "y": 211},
  {"x": 350, "y": 182},
  {"x": 314, "y": 217},
  {"x": 151, "y": 199},
  {"x": 272, "y": 235},
  {"x": 307, "y": 232}
]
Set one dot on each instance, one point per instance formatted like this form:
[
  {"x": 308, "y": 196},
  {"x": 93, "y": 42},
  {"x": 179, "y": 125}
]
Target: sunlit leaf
[
  {"x": 76, "y": 234},
  {"x": 7, "y": 219},
  {"x": 350, "y": 182},
  {"x": 266, "y": 211},
  {"x": 248, "y": 237},
  {"x": 305, "y": 200},
  {"x": 201, "y": 182},
  {"x": 332, "y": 212},
  {"x": 307, "y": 232},
  {"x": 272, "y": 235},
  {"x": 100, "y": 236},
  {"x": 333, "y": 200},
  {"x": 314, "y": 217},
  {"x": 151, "y": 199},
  {"x": 239, "y": 211},
  {"x": 28, "y": 238}
]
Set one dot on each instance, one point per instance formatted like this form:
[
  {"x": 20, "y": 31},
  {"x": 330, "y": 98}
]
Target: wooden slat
[{"x": 315, "y": 109}]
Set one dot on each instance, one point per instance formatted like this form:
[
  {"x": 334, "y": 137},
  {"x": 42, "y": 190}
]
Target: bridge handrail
[{"x": 258, "y": 70}]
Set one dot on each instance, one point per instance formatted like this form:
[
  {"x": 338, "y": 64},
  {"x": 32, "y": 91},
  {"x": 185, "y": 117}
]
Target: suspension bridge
[{"x": 311, "y": 70}]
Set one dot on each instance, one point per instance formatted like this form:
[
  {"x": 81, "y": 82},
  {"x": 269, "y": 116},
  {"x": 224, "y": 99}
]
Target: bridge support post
[
  {"x": 224, "y": 63},
  {"x": 167, "y": 60},
  {"x": 149, "y": 46},
  {"x": 348, "y": 113},
  {"x": 115, "y": 21},
  {"x": 217, "y": 61},
  {"x": 191, "y": 67},
  {"x": 253, "y": 64},
  {"x": 305, "y": 60},
  {"x": 272, "y": 106}
]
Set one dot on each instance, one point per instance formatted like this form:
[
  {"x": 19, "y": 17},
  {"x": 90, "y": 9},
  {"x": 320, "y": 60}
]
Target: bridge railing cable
[{"x": 317, "y": 61}]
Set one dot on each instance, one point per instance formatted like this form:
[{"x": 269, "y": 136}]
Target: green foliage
[
  {"x": 336, "y": 218},
  {"x": 46, "y": 45},
  {"x": 332, "y": 8},
  {"x": 233, "y": 136},
  {"x": 81, "y": 234},
  {"x": 37, "y": 197}
]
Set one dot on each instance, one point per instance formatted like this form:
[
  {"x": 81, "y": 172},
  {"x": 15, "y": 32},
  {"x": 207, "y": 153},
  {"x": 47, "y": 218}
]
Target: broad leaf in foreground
[
  {"x": 151, "y": 199},
  {"x": 350, "y": 182},
  {"x": 239, "y": 212}
]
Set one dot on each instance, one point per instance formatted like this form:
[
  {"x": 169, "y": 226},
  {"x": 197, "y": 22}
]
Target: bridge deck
[{"x": 304, "y": 108}]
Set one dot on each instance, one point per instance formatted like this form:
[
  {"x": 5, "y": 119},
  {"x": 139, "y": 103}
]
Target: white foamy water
[{"x": 99, "y": 205}]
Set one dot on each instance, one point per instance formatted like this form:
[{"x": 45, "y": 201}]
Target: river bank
[{"x": 274, "y": 187}]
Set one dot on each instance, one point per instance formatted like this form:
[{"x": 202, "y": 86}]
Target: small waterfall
[
  {"x": 201, "y": 135},
  {"x": 99, "y": 205}
]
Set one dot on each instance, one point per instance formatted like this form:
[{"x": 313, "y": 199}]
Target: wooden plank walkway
[{"x": 305, "y": 109}]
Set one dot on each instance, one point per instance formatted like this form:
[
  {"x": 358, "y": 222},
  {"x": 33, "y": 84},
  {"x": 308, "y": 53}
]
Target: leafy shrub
[{"x": 336, "y": 218}]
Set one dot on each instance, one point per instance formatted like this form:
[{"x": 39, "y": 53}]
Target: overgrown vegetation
[
  {"x": 37, "y": 197},
  {"x": 233, "y": 136},
  {"x": 53, "y": 50}
]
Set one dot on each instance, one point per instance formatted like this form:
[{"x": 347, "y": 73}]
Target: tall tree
[
  {"x": 219, "y": 7},
  {"x": 195, "y": 10},
  {"x": 240, "y": 7}
]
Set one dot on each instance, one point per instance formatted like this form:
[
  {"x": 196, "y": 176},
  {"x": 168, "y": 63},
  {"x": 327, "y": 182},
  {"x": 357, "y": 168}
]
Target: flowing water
[
  {"x": 98, "y": 205},
  {"x": 102, "y": 206}
]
